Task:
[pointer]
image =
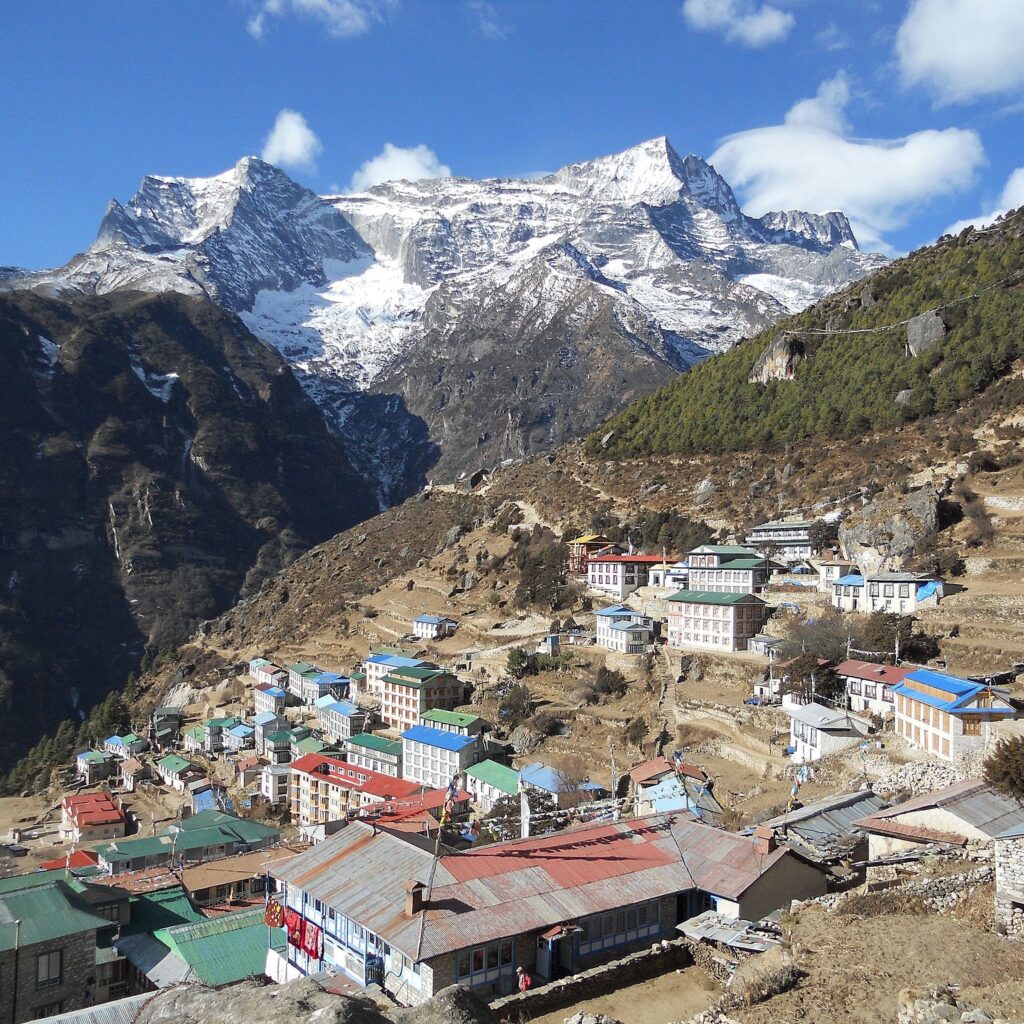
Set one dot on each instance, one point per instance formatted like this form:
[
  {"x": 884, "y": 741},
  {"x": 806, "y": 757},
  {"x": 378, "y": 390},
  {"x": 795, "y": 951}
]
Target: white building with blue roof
[
  {"x": 340, "y": 720},
  {"x": 624, "y": 630},
  {"x": 947, "y": 715},
  {"x": 898, "y": 593},
  {"x": 379, "y": 664},
  {"x": 564, "y": 791},
  {"x": 433, "y": 757},
  {"x": 433, "y": 627}
]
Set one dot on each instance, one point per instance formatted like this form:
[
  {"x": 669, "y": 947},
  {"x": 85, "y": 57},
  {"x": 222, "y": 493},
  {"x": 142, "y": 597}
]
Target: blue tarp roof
[
  {"x": 926, "y": 590},
  {"x": 438, "y": 738},
  {"x": 851, "y": 581},
  {"x": 330, "y": 678},
  {"x": 242, "y": 730}
]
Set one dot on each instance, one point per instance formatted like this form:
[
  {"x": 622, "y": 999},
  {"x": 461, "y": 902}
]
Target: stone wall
[
  {"x": 657, "y": 959},
  {"x": 1009, "y": 911},
  {"x": 77, "y": 966}
]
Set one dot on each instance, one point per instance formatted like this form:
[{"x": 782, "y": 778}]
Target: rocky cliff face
[
  {"x": 156, "y": 461},
  {"x": 447, "y": 322},
  {"x": 889, "y": 530}
]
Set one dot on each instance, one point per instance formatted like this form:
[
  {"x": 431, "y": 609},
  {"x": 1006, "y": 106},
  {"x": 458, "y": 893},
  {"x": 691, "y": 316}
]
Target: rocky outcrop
[
  {"x": 889, "y": 530},
  {"x": 305, "y": 1001},
  {"x": 778, "y": 361},
  {"x": 925, "y": 332},
  {"x": 941, "y": 1006}
]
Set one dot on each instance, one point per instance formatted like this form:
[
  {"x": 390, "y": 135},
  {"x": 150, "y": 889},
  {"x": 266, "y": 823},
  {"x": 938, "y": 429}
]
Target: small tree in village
[
  {"x": 805, "y": 678},
  {"x": 1004, "y": 768},
  {"x": 505, "y": 821}
]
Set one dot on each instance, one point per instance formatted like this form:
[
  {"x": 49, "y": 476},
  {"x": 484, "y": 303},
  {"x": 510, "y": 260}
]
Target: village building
[
  {"x": 264, "y": 724},
  {"x": 714, "y": 621},
  {"x": 780, "y": 678},
  {"x": 238, "y": 737},
  {"x": 408, "y": 692},
  {"x": 434, "y": 757},
  {"x": 364, "y": 892},
  {"x": 946, "y": 715},
  {"x": 897, "y": 593},
  {"x": 830, "y": 571},
  {"x": 789, "y": 541},
  {"x": 825, "y": 832},
  {"x": 765, "y": 646},
  {"x": 52, "y": 947},
  {"x": 488, "y": 782},
  {"x": 269, "y": 699},
  {"x": 869, "y": 686},
  {"x": 247, "y": 771},
  {"x": 1009, "y": 898},
  {"x": 324, "y": 684},
  {"x": 209, "y": 835},
  {"x": 298, "y": 673},
  {"x": 133, "y": 772},
  {"x": 277, "y": 746},
  {"x": 729, "y": 569},
  {"x": 234, "y": 881},
  {"x": 214, "y": 730},
  {"x": 378, "y": 753},
  {"x": 325, "y": 789},
  {"x": 126, "y": 745},
  {"x": 563, "y": 790},
  {"x": 965, "y": 814},
  {"x": 175, "y": 771},
  {"x": 275, "y": 782},
  {"x": 816, "y": 731},
  {"x": 267, "y": 673},
  {"x": 453, "y": 721},
  {"x": 624, "y": 630},
  {"x": 380, "y": 663},
  {"x": 661, "y": 785},
  {"x": 164, "y": 727},
  {"x": 619, "y": 575},
  {"x": 206, "y": 794},
  {"x": 580, "y": 549},
  {"x": 85, "y": 817},
  {"x": 93, "y": 766},
  {"x": 433, "y": 627},
  {"x": 669, "y": 575},
  {"x": 340, "y": 720}
]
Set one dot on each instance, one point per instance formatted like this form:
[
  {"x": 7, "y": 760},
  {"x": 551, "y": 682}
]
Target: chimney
[
  {"x": 764, "y": 839},
  {"x": 414, "y": 901}
]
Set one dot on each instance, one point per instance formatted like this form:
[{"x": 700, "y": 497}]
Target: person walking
[{"x": 525, "y": 981}]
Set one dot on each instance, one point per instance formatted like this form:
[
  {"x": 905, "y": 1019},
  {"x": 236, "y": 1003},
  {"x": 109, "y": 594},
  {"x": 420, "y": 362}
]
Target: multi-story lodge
[
  {"x": 581, "y": 549},
  {"x": 620, "y": 575},
  {"x": 869, "y": 686},
  {"x": 407, "y": 692},
  {"x": 264, "y": 671},
  {"x": 624, "y": 630},
  {"x": 899, "y": 593},
  {"x": 729, "y": 569},
  {"x": 434, "y": 757},
  {"x": 363, "y": 895},
  {"x": 714, "y": 621},
  {"x": 340, "y": 720},
  {"x": 946, "y": 715},
  {"x": 789, "y": 541},
  {"x": 377, "y": 753},
  {"x": 383, "y": 661}
]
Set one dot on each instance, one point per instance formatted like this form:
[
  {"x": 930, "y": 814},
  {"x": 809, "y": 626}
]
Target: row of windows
[
  {"x": 479, "y": 963},
  {"x": 871, "y": 690},
  {"x": 619, "y": 926}
]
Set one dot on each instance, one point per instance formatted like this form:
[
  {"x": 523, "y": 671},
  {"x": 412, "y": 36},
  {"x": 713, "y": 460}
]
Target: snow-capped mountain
[{"x": 413, "y": 311}]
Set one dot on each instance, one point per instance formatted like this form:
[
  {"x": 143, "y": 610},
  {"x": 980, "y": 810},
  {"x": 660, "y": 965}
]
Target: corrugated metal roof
[
  {"x": 452, "y": 741},
  {"x": 515, "y": 887},
  {"x": 153, "y": 959},
  {"x": 45, "y": 912},
  {"x": 118, "y": 1011},
  {"x": 826, "y": 828}
]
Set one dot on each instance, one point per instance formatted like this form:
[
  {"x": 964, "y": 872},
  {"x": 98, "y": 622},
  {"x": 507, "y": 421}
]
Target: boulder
[
  {"x": 888, "y": 531},
  {"x": 778, "y": 361},
  {"x": 925, "y": 332}
]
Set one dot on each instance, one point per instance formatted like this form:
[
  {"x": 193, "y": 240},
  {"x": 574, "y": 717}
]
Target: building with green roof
[
  {"x": 164, "y": 908},
  {"x": 58, "y": 944},
  {"x": 378, "y": 753},
  {"x": 489, "y": 781},
  {"x": 408, "y": 691},
  {"x": 175, "y": 771},
  {"x": 453, "y": 721},
  {"x": 713, "y": 621}
]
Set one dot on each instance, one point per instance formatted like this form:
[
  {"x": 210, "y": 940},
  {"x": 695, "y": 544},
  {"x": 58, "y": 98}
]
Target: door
[{"x": 543, "y": 958}]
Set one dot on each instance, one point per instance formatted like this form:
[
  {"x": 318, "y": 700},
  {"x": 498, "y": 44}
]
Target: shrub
[
  {"x": 1004, "y": 767},
  {"x": 610, "y": 683},
  {"x": 760, "y": 977},
  {"x": 515, "y": 704}
]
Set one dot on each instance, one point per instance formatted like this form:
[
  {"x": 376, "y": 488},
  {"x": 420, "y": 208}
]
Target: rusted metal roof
[{"x": 523, "y": 885}]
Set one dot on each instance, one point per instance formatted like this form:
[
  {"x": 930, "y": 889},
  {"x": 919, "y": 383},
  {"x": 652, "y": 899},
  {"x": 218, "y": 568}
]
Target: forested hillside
[{"x": 843, "y": 367}]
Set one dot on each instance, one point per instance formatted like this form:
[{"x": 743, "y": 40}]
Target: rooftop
[
  {"x": 500, "y": 776},
  {"x": 871, "y": 671},
  {"x": 633, "y": 559},
  {"x": 457, "y": 718},
  {"x": 45, "y": 911},
  {"x": 712, "y": 597},
  {"x": 438, "y": 738},
  {"x": 824, "y": 829},
  {"x": 818, "y": 716},
  {"x": 380, "y": 744}
]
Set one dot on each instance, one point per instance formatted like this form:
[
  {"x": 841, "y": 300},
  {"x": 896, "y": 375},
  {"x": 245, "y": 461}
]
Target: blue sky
[{"x": 906, "y": 113}]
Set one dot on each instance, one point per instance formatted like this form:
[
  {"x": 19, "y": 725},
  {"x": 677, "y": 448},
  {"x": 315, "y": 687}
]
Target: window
[{"x": 49, "y": 969}]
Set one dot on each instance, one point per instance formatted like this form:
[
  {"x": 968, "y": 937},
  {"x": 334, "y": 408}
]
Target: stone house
[
  {"x": 407, "y": 693},
  {"x": 816, "y": 731},
  {"x": 266, "y": 673},
  {"x": 1009, "y": 857},
  {"x": 175, "y": 771},
  {"x": 86, "y": 817},
  {"x": 340, "y": 720},
  {"x": 269, "y": 699},
  {"x": 298, "y": 674},
  {"x": 382, "y": 662},
  {"x": 729, "y": 569},
  {"x": 93, "y": 766},
  {"x": 364, "y": 892}
]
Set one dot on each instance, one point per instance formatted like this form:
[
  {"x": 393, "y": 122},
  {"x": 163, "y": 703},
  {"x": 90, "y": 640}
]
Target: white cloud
[
  {"x": 1011, "y": 198},
  {"x": 962, "y": 49},
  {"x": 810, "y": 162},
  {"x": 490, "y": 23},
  {"x": 740, "y": 21},
  {"x": 341, "y": 18},
  {"x": 393, "y": 163},
  {"x": 291, "y": 142}
]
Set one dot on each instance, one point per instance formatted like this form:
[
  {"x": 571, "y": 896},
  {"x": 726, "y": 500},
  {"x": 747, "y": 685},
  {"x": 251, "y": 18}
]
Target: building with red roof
[
  {"x": 869, "y": 685},
  {"x": 620, "y": 575},
  {"x": 88, "y": 816},
  {"x": 555, "y": 904},
  {"x": 72, "y": 860}
]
